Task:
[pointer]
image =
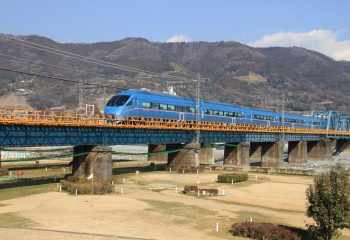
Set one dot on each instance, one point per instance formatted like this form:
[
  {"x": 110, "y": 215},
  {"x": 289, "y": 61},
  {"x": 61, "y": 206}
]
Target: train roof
[{"x": 146, "y": 92}]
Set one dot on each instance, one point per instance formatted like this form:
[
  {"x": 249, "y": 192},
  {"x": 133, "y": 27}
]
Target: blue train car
[{"x": 137, "y": 103}]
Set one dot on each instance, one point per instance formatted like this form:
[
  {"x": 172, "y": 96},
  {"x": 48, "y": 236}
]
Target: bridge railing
[{"x": 52, "y": 118}]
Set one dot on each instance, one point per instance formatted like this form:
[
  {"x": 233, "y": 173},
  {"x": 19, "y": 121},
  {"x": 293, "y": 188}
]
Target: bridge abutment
[
  {"x": 162, "y": 157},
  {"x": 90, "y": 159},
  {"x": 297, "y": 152},
  {"x": 320, "y": 150},
  {"x": 236, "y": 153}
]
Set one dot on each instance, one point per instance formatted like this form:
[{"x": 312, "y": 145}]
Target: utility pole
[
  {"x": 81, "y": 94},
  {"x": 198, "y": 100},
  {"x": 196, "y": 138},
  {"x": 283, "y": 118},
  {"x": 104, "y": 95}
]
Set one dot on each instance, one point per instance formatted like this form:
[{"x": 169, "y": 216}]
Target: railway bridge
[{"x": 91, "y": 137}]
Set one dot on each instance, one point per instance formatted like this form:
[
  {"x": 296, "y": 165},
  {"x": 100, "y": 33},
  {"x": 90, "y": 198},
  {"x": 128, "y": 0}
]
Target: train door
[
  {"x": 136, "y": 104},
  {"x": 181, "y": 116}
]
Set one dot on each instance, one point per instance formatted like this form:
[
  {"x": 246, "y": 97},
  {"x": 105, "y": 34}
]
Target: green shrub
[
  {"x": 3, "y": 171},
  {"x": 329, "y": 204},
  {"x": 232, "y": 177},
  {"x": 263, "y": 231},
  {"x": 85, "y": 187}
]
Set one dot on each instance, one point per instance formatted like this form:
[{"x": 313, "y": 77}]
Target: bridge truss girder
[{"x": 22, "y": 136}]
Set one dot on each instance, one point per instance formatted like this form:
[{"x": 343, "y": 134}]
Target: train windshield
[{"x": 118, "y": 101}]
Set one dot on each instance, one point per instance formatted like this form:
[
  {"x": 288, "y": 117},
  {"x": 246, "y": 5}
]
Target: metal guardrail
[{"x": 68, "y": 119}]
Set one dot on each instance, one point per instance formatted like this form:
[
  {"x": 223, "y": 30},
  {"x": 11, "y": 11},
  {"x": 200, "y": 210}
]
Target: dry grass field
[{"x": 150, "y": 208}]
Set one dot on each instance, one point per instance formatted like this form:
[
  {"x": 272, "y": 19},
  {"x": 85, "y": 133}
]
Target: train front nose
[{"x": 115, "y": 111}]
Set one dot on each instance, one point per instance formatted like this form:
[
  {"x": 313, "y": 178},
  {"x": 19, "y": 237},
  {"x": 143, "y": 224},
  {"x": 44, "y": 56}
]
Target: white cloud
[
  {"x": 179, "y": 38},
  {"x": 321, "y": 40}
]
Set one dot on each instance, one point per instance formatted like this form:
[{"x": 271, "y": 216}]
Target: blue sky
[{"x": 246, "y": 21}]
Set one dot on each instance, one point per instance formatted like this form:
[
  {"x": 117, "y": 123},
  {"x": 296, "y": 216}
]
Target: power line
[
  {"x": 113, "y": 65},
  {"x": 104, "y": 63},
  {"x": 233, "y": 91},
  {"x": 57, "y": 78},
  {"x": 88, "y": 59},
  {"x": 55, "y": 66}
]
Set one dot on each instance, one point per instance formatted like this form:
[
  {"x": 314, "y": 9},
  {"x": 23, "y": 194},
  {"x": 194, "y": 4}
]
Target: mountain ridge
[{"x": 309, "y": 80}]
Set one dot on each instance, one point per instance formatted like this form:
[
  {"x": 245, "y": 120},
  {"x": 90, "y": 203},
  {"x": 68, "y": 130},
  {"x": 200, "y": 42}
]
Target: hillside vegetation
[{"x": 309, "y": 79}]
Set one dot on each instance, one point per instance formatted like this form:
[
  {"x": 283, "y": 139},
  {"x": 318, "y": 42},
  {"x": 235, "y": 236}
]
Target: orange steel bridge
[
  {"x": 68, "y": 119},
  {"x": 18, "y": 122}
]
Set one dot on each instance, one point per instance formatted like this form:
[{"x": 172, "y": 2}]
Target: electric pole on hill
[
  {"x": 283, "y": 116},
  {"x": 81, "y": 94},
  {"x": 196, "y": 138}
]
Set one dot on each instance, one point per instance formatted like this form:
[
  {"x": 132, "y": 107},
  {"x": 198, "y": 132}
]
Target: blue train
[{"x": 139, "y": 103}]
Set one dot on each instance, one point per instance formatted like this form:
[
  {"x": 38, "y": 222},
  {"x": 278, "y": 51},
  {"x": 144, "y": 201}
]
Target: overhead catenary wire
[
  {"x": 89, "y": 59},
  {"x": 108, "y": 64},
  {"x": 117, "y": 66},
  {"x": 56, "y": 78},
  {"x": 225, "y": 88},
  {"x": 56, "y": 66}
]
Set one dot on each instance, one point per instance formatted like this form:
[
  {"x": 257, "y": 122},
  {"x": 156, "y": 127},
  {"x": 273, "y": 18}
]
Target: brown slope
[{"x": 309, "y": 79}]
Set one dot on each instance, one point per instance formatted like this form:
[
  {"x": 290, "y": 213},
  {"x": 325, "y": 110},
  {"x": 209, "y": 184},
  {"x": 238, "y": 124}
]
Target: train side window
[
  {"x": 179, "y": 108},
  {"x": 239, "y": 114},
  {"x": 162, "y": 106},
  {"x": 226, "y": 114},
  {"x": 211, "y": 112},
  {"x": 154, "y": 105},
  {"x": 216, "y": 112},
  {"x": 186, "y": 109},
  {"x": 221, "y": 113},
  {"x": 171, "y": 107},
  {"x": 146, "y": 104},
  {"x": 192, "y": 110},
  {"x": 129, "y": 103}
]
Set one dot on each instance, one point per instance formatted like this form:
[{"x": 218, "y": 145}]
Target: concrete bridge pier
[
  {"x": 255, "y": 153},
  {"x": 320, "y": 150},
  {"x": 162, "y": 157},
  {"x": 206, "y": 154},
  {"x": 271, "y": 154},
  {"x": 236, "y": 155},
  {"x": 297, "y": 152},
  {"x": 341, "y": 145},
  {"x": 186, "y": 158},
  {"x": 97, "y": 160}
]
